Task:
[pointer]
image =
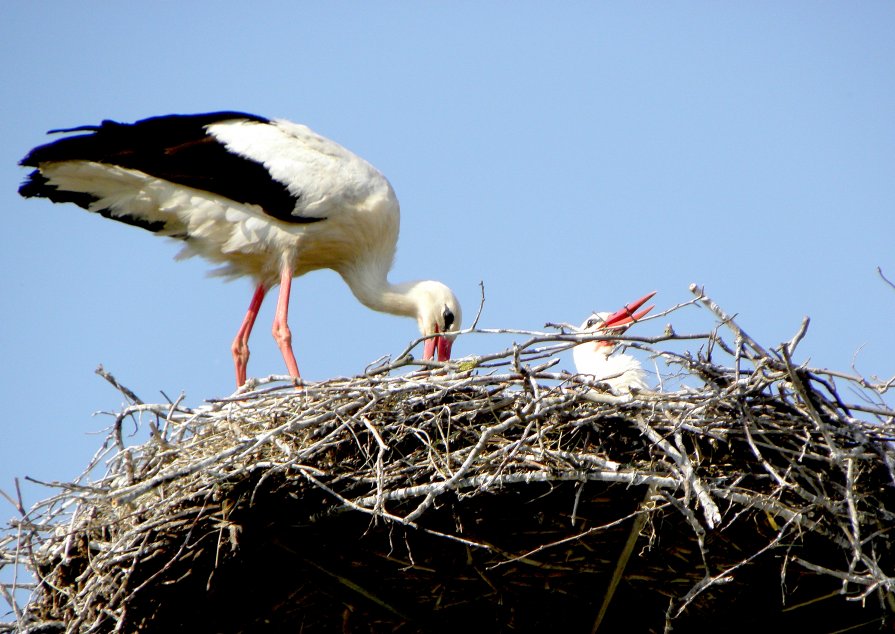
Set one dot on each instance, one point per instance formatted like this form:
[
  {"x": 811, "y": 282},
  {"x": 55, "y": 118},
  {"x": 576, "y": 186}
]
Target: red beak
[
  {"x": 622, "y": 319},
  {"x": 444, "y": 348},
  {"x": 443, "y": 344}
]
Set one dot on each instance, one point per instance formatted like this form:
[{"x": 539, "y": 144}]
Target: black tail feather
[{"x": 37, "y": 186}]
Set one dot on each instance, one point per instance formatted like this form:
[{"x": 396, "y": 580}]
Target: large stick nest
[{"x": 494, "y": 493}]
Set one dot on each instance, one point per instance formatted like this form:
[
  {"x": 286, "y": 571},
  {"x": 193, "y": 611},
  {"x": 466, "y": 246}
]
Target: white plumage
[
  {"x": 263, "y": 198},
  {"x": 621, "y": 372}
]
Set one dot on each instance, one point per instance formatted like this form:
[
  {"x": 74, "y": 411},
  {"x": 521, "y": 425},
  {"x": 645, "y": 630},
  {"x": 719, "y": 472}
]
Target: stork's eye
[
  {"x": 593, "y": 321},
  {"x": 448, "y": 318}
]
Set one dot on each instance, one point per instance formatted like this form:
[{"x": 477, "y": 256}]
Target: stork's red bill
[
  {"x": 264, "y": 198},
  {"x": 621, "y": 372},
  {"x": 622, "y": 319},
  {"x": 626, "y": 315}
]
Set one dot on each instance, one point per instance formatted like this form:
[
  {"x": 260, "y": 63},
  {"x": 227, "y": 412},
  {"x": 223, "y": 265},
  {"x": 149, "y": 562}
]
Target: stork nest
[{"x": 494, "y": 493}]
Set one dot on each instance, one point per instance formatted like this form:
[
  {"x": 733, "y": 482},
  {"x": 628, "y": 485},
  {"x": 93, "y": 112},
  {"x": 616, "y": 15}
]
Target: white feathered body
[
  {"x": 621, "y": 372},
  {"x": 358, "y": 204}
]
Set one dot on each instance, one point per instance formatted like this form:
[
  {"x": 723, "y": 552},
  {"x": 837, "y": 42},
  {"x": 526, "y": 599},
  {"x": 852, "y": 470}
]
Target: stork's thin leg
[
  {"x": 281, "y": 331},
  {"x": 240, "y": 346}
]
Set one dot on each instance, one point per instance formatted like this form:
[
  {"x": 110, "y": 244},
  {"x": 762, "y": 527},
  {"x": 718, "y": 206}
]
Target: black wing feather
[
  {"x": 176, "y": 148},
  {"x": 37, "y": 187}
]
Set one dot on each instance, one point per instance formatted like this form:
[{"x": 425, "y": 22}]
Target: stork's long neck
[{"x": 369, "y": 283}]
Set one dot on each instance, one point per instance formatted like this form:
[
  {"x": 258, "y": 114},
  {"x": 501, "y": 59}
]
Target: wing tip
[{"x": 35, "y": 184}]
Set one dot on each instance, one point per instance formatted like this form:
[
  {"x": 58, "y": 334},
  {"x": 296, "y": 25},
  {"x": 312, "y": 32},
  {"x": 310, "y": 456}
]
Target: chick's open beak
[{"x": 623, "y": 318}]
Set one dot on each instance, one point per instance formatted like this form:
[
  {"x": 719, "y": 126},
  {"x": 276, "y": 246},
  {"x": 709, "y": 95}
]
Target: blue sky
[{"x": 571, "y": 159}]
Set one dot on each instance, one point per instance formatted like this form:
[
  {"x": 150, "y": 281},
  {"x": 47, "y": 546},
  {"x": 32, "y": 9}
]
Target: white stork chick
[
  {"x": 263, "y": 198},
  {"x": 621, "y": 372}
]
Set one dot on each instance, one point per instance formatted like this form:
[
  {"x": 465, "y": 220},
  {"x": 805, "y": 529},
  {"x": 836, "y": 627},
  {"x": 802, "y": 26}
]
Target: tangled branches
[{"x": 496, "y": 488}]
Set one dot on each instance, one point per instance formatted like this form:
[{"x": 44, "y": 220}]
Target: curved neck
[{"x": 369, "y": 283}]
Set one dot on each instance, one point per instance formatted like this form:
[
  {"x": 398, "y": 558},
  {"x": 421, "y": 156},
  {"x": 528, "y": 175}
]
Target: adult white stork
[
  {"x": 621, "y": 372},
  {"x": 265, "y": 198}
]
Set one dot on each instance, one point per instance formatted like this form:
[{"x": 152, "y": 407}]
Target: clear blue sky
[{"x": 572, "y": 159}]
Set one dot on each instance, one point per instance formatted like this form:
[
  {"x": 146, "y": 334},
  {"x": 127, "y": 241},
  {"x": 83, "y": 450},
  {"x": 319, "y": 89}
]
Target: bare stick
[
  {"x": 639, "y": 523},
  {"x": 726, "y": 319},
  {"x": 885, "y": 279}
]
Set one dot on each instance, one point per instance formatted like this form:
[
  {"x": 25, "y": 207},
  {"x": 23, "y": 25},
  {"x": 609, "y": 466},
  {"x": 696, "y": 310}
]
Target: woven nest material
[{"x": 494, "y": 494}]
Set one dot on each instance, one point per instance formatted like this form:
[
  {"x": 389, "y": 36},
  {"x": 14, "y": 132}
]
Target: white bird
[
  {"x": 269, "y": 199},
  {"x": 621, "y": 372}
]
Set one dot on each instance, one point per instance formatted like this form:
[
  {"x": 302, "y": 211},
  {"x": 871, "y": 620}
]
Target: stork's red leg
[
  {"x": 240, "y": 346},
  {"x": 281, "y": 331}
]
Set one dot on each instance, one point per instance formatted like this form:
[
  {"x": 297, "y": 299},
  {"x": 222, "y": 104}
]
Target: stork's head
[
  {"x": 438, "y": 313},
  {"x": 593, "y": 324},
  {"x": 613, "y": 323}
]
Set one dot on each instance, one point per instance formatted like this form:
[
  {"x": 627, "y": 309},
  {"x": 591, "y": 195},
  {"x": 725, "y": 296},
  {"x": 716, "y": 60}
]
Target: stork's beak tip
[
  {"x": 439, "y": 346},
  {"x": 444, "y": 348},
  {"x": 629, "y": 313},
  {"x": 429, "y": 348}
]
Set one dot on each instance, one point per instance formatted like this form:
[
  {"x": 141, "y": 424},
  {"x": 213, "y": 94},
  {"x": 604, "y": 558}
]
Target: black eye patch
[{"x": 448, "y": 318}]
